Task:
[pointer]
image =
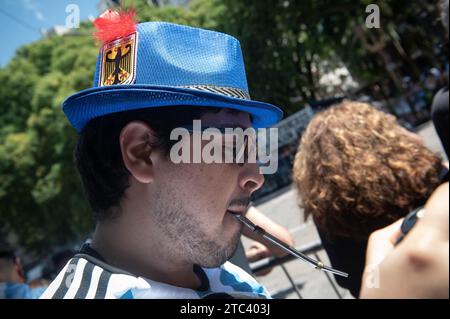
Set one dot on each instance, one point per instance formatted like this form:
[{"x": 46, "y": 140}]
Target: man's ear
[{"x": 136, "y": 140}]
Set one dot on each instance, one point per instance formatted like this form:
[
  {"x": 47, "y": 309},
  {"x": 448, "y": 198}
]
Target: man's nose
[{"x": 250, "y": 178}]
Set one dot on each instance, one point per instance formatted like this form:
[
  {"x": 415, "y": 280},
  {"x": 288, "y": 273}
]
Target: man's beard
[{"x": 185, "y": 235}]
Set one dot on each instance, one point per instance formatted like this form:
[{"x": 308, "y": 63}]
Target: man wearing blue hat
[{"x": 164, "y": 230}]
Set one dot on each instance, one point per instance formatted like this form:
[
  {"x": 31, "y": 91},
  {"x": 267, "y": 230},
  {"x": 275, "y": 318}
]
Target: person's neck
[{"x": 136, "y": 246}]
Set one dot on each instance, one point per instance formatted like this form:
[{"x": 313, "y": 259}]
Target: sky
[{"x": 22, "y": 20}]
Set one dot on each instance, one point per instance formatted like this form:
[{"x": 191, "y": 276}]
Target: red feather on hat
[{"x": 112, "y": 25}]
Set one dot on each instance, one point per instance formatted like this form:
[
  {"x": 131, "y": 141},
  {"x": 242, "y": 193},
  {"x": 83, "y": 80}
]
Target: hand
[{"x": 258, "y": 251}]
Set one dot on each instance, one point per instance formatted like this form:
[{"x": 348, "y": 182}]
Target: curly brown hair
[{"x": 357, "y": 170}]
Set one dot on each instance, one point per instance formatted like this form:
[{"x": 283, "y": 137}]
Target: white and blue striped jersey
[{"x": 88, "y": 277}]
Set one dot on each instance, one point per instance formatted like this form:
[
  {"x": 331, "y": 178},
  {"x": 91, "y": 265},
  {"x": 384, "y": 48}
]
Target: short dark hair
[{"x": 98, "y": 156}]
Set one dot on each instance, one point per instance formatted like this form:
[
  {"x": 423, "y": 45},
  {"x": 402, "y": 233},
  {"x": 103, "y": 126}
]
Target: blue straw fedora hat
[{"x": 162, "y": 65}]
